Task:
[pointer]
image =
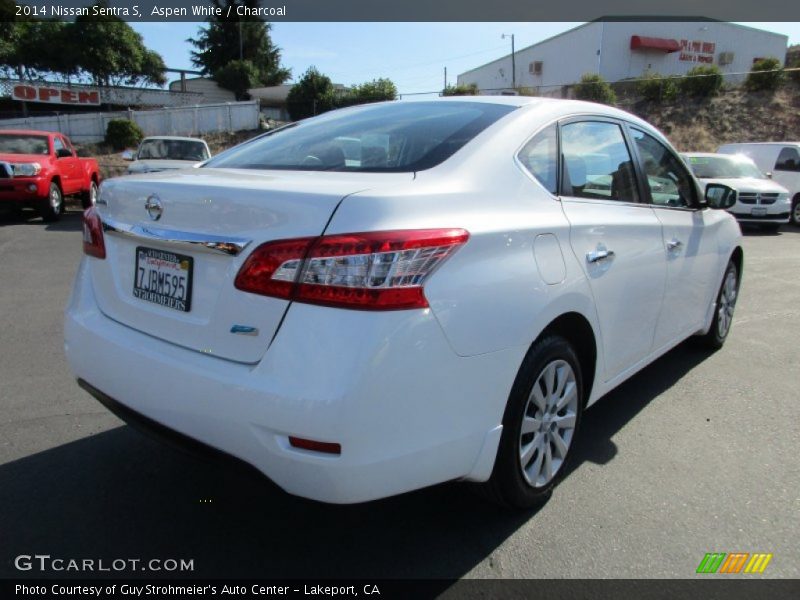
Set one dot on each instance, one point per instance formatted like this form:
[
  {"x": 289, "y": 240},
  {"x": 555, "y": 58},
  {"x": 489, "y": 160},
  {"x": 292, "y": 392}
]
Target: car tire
[
  {"x": 89, "y": 197},
  {"x": 52, "y": 207},
  {"x": 795, "y": 215},
  {"x": 547, "y": 393},
  {"x": 723, "y": 309}
]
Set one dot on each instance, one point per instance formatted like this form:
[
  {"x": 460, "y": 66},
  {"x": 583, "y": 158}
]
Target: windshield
[
  {"x": 392, "y": 137},
  {"x": 724, "y": 167},
  {"x": 12, "y": 143},
  {"x": 172, "y": 150}
]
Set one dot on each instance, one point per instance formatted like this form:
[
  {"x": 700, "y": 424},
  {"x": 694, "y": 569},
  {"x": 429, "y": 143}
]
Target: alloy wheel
[
  {"x": 548, "y": 423},
  {"x": 727, "y": 302}
]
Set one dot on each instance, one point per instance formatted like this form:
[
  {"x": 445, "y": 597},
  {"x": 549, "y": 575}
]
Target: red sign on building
[{"x": 55, "y": 95}]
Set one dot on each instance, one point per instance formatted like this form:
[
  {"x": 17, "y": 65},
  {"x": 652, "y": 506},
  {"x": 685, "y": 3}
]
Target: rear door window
[{"x": 596, "y": 162}]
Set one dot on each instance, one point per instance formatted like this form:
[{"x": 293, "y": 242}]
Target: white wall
[
  {"x": 618, "y": 61},
  {"x": 211, "y": 92},
  {"x": 567, "y": 56},
  {"x": 190, "y": 120}
]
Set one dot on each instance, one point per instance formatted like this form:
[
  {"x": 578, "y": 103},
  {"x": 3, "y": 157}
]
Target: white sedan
[
  {"x": 442, "y": 303},
  {"x": 165, "y": 153}
]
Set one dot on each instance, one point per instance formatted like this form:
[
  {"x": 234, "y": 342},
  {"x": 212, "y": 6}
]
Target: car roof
[
  {"x": 761, "y": 144},
  {"x": 29, "y": 132},
  {"x": 173, "y": 137},
  {"x": 709, "y": 154}
]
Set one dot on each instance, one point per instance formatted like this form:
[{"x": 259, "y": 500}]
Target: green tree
[
  {"x": 594, "y": 88},
  {"x": 766, "y": 74},
  {"x": 238, "y": 76},
  {"x": 377, "y": 90},
  {"x": 461, "y": 90},
  {"x": 226, "y": 39},
  {"x": 104, "y": 50},
  {"x": 112, "y": 53},
  {"x": 656, "y": 87},
  {"x": 312, "y": 95},
  {"x": 702, "y": 81}
]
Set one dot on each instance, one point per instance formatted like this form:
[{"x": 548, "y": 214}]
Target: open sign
[{"x": 55, "y": 95}]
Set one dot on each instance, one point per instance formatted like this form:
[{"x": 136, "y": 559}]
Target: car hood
[
  {"x": 750, "y": 184},
  {"x": 149, "y": 165}
]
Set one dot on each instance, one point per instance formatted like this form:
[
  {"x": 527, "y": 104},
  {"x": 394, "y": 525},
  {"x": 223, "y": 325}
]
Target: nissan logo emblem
[{"x": 153, "y": 207}]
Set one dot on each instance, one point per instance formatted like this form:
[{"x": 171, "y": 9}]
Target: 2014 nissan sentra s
[{"x": 390, "y": 296}]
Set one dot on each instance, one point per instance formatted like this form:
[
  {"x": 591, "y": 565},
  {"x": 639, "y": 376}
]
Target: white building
[{"x": 625, "y": 50}]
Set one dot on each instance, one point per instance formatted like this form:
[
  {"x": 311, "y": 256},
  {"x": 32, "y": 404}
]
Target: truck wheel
[
  {"x": 89, "y": 197},
  {"x": 52, "y": 207}
]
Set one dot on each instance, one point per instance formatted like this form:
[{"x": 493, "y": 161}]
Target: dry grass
[{"x": 702, "y": 125}]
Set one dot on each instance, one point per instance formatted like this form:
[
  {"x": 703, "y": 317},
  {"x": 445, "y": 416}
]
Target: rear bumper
[{"x": 407, "y": 411}]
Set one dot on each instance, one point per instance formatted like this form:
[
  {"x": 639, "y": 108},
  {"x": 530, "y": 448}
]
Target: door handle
[
  {"x": 599, "y": 255},
  {"x": 674, "y": 244}
]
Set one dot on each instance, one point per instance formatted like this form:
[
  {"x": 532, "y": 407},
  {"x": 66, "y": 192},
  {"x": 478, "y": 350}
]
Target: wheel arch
[
  {"x": 737, "y": 256},
  {"x": 577, "y": 329}
]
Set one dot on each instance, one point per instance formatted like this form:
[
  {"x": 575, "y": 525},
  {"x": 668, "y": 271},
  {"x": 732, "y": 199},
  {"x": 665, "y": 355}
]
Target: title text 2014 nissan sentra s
[{"x": 391, "y": 296}]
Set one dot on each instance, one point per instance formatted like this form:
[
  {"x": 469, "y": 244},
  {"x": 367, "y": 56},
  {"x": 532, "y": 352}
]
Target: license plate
[
  {"x": 163, "y": 278},
  {"x": 758, "y": 212}
]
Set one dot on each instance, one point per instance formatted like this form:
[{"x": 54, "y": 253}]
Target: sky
[{"x": 413, "y": 55}]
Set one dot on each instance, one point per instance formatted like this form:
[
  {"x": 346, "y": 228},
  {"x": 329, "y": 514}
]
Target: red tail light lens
[
  {"x": 93, "y": 242},
  {"x": 314, "y": 446},
  {"x": 371, "y": 271}
]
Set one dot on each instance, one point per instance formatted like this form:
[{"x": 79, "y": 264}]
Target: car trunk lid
[{"x": 210, "y": 220}]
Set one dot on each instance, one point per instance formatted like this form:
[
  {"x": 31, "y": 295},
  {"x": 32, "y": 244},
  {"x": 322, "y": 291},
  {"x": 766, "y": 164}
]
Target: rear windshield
[
  {"x": 13, "y": 143},
  {"x": 396, "y": 137}
]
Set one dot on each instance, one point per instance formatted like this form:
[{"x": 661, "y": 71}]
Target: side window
[
  {"x": 788, "y": 160},
  {"x": 596, "y": 163},
  {"x": 57, "y": 144},
  {"x": 668, "y": 179},
  {"x": 539, "y": 158}
]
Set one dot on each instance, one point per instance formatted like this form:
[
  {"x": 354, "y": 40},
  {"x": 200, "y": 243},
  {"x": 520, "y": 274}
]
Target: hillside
[{"x": 702, "y": 125}]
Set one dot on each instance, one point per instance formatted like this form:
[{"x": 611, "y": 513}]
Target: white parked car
[
  {"x": 780, "y": 161},
  {"x": 167, "y": 152},
  {"x": 759, "y": 200},
  {"x": 442, "y": 309}
]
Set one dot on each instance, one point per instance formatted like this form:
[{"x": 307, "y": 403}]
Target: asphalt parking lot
[{"x": 698, "y": 453}]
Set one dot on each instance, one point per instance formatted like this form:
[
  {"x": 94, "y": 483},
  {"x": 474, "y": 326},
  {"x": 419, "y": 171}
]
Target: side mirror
[
  {"x": 128, "y": 155},
  {"x": 63, "y": 153},
  {"x": 720, "y": 196}
]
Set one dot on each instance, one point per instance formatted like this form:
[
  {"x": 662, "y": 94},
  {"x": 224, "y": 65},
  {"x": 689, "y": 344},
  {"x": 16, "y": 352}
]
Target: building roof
[{"x": 617, "y": 20}]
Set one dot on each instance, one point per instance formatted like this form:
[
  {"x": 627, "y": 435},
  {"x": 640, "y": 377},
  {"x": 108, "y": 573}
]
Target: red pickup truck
[{"x": 39, "y": 168}]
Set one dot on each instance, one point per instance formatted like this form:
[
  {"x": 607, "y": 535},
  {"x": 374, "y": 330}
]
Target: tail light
[
  {"x": 371, "y": 271},
  {"x": 93, "y": 242}
]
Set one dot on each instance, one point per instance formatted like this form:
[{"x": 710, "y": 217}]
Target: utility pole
[
  {"x": 513, "y": 61},
  {"x": 445, "y": 79},
  {"x": 241, "y": 43}
]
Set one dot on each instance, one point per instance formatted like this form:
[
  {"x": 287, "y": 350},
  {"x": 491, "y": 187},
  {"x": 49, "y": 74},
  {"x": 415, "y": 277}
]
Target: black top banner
[{"x": 408, "y": 10}]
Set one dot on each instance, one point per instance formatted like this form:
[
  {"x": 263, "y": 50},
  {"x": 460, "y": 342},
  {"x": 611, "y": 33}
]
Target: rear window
[
  {"x": 12, "y": 143},
  {"x": 396, "y": 137}
]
